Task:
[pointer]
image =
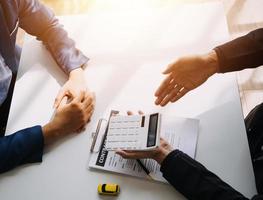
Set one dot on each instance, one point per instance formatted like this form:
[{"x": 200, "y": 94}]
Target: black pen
[{"x": 144, "y": 168}]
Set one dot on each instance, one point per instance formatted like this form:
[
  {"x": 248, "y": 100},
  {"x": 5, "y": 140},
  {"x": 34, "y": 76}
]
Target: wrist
[
  {"x": 161, "y": 155},
  {"x": 212, "y": 64},
  {"x": 76, "y": 73},
  {"x": 50, "y": 133}
]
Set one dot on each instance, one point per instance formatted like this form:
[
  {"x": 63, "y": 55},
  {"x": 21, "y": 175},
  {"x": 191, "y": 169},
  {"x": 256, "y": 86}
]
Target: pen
[{"x": 144, "y": 168}]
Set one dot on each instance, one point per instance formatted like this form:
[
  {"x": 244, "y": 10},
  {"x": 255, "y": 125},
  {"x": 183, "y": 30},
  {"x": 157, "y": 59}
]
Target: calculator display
[{"x": 152, "y": 131}]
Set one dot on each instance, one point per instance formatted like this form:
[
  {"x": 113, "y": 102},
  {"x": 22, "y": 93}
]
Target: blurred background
[{"x": 242, "y": 16}]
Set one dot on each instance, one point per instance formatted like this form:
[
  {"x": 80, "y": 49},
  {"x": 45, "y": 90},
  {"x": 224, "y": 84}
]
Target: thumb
[
  {"x": 59, "y": 98},
  {"x": 80, "y": 97},
  {"x": 63, "y": 102},
  {"x": 169, "y": 68}
]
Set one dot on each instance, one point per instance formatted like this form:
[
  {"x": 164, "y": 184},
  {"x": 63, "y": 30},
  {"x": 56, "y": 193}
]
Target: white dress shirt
[{"x": 5, "y": 79}]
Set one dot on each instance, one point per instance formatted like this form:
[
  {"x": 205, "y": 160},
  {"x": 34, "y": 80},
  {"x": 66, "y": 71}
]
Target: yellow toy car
[{"x": 109, "y": 189}]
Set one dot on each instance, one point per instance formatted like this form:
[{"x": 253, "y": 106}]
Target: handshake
[{"x": 75, "y": 103}]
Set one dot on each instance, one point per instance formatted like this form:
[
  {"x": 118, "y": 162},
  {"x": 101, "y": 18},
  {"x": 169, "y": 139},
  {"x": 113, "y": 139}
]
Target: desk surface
[{"x": 128, "y": 51}]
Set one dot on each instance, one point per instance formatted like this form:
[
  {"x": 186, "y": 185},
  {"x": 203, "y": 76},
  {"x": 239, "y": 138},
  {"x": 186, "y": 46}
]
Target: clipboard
[
  {"x": 174, "y": 131},
  {"x": 101, "y": 130},
  {"x": 98, "y": 148}
]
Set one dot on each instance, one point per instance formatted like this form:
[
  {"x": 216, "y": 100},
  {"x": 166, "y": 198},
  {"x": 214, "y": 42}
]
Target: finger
[
  {"x": 87, "y": 101},
  {"x": 140, "y": 112},
  {"x": 133, "y": 154},
  {"x": 121, "y": 153},
  {"x": 89, "y": 118},
  {"x": 89, "y": 109},
  {"x": 166, "y": 92},
  {"x": 80, "y": 97},
  {"x": 63, "y": 102},
  {"x": 86, "y": 94},
  {"x": 59, "y": 97},
  {"x": 171, "y": 95},
  {"x": 169, "y": 68},
  {"x": 73, "y": 94},
  {"x": 81, "y": 129},
  {"x": 129, "y": 112},
  {"x": 163, "y": 85},
  {"x": 179, "y": 95},
  {"x": 162, "y": 141},
  {"x": 88, "y": 112}
]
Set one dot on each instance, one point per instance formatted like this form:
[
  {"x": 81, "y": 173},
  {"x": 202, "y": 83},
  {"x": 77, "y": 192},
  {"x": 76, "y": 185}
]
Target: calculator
[{"x": 133, "y": 132}]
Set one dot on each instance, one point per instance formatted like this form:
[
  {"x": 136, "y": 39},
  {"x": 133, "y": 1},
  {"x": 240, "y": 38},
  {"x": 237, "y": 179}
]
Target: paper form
[{"x": 181, "y": 133}]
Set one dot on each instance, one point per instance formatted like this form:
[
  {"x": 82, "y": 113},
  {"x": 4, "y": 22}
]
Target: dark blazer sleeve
[
  {"x": 241, "y": 53},
  {"x": 38, "y": 20},
  {"x": 194, "y": 181},
  {"x": 24, "y": 146}
]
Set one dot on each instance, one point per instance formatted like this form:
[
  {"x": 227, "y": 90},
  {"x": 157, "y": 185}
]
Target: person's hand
[
  {"x": 184, "y": 75},
  {"x": 69, "y": 117},
  {"x": 158, "y": 154},
  {"x": 75, "y": 85}
]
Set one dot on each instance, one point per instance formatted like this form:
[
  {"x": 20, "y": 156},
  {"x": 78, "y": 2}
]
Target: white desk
[{"x": 128, "y": 50}]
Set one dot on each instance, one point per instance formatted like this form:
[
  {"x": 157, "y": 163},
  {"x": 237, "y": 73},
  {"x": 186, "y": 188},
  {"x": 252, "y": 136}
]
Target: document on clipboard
[{"x": 181, "y": 133}]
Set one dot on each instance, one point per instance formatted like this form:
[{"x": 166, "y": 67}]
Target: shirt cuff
[
  {"x": 221, "y": 59},
  {"x": 81, "y": 63},
  {"x": 167, "y": 161}
]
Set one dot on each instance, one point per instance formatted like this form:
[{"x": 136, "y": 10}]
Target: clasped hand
[{"x": 74, "y": 106}]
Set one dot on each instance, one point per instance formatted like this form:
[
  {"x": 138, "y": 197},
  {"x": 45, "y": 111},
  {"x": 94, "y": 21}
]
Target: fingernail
[{"x": 163, "y": 104}]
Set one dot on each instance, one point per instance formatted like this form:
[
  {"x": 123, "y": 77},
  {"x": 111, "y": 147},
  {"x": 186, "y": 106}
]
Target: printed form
[{"x": 181, "y": 133}]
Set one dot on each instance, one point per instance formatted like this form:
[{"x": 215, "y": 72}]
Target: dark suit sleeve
[
  {"x": 38, "y": 20},
  {"x": 24, "y": 146},
  {"x": 194, "y": 181},
  {"x": 241, "y": 53}
]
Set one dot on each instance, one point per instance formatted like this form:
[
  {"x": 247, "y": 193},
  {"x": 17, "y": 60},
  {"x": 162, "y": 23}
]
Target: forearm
[
  {"x": 193, "y": 180},
  {"x": 24, "y": 146},
  {"x": 40, "y": 21},
  {"x": 241, "y": 53}
]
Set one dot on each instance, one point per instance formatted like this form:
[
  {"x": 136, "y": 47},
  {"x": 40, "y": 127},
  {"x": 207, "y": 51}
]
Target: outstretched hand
[
  {"x": 184, "y": 75},
  {"x": 158, "y": 154}
]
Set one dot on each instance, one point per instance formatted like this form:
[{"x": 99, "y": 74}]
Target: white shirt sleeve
[{"x": 5, "y": 79}]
